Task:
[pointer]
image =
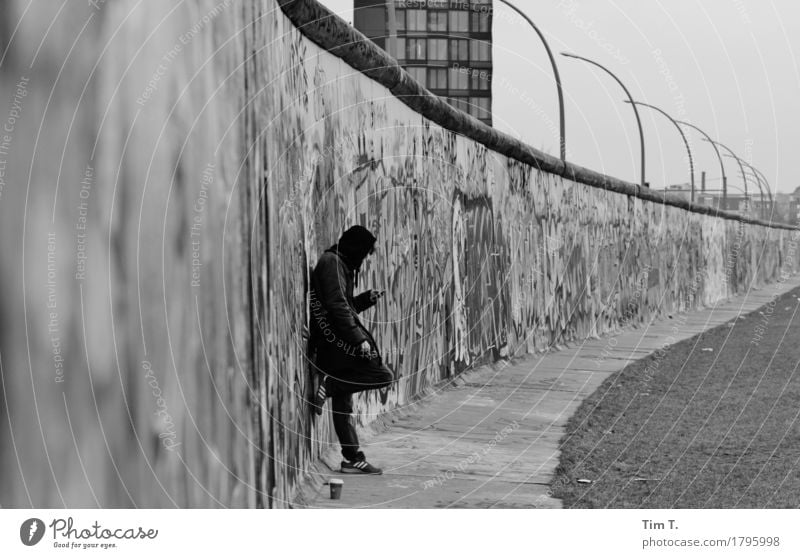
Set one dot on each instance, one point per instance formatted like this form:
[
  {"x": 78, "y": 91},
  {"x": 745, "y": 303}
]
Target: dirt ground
[{"x": 710, "y": 422}]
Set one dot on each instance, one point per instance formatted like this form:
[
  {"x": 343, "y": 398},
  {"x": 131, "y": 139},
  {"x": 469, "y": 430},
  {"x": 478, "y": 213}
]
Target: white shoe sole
[{"x": 357, "y": 472}]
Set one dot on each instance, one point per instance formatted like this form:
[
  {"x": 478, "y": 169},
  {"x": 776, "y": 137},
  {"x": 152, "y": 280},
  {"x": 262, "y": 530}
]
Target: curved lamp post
[
  {"x": 758, "y": 183},
  {"x": 562, "y": 123},
  {"x": 732, "y": 155},
  {"x": 769, "y": 188},
  {"x": 760, "y": 176},
  {"x": 630, "y": 97},
  {"x": 680, "y": 131},
  {"x": 719, "y": 156}
]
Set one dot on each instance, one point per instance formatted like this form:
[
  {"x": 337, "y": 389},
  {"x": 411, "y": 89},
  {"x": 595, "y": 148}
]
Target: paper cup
[{"x": 336, "y": 488}]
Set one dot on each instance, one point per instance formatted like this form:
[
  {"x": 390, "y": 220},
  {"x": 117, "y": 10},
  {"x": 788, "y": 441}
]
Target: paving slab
[{"x": 490, "y": 440}]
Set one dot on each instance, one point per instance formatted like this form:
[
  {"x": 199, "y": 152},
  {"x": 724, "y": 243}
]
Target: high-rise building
[{"x": 446, "y": 45}]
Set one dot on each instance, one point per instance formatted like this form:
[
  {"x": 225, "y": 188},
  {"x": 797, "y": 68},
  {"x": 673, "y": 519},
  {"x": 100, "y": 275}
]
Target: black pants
[{"x": 341, "y": 387}]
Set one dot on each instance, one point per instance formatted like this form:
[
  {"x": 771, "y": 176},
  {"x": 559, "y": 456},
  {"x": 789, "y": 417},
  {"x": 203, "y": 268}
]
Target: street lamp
[
  {"x": 733, "y": 156},
  {"x": 759, "y": 176},
  {"x": 719, "y": 156},
  {"x": 630, "y": 97},
  {"x": 562, "y": 123},
  {"x": 769, "y": 189},
  {"x": 680, "y": 130},
  {"x": 758, "y": 182}
]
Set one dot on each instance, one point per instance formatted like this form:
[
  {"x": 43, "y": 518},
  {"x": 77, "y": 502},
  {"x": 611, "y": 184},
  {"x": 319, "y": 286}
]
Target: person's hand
[{"x": 375, "y": 295}]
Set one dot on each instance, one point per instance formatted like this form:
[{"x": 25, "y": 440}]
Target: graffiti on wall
[{"x": 481, "y": 256}]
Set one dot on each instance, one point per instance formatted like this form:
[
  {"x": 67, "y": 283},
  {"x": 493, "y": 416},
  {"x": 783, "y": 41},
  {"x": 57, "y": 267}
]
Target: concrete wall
[
  {"x": 126, "y": 345},
  {"x": 231, "y": 151}
]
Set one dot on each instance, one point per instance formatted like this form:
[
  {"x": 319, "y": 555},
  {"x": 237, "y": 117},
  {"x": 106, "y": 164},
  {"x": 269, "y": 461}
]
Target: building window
[
  {"x": 437, "y": 49},
  {"x": 480, "y": 23},
  {"x": 480, "y": 107},
  {"x": 401, "y": 49},
  {"x": 459, "y": 22},
  {"x": 399, "y": 17},
  {"x": 416, "y": 20},
  {"x": 419, "y": 74},
  {"x": 481, "y": 51},
  {"x": 461, "y": 103},
  {"x": 459, "y": 50},
  {"x": 417, "y": 49},
  {"x": 437, "y": 78},
  {"x": 459, "y": 78},
  {"x": 481, "y": 80},
  {"x": 437, "y": 21}
]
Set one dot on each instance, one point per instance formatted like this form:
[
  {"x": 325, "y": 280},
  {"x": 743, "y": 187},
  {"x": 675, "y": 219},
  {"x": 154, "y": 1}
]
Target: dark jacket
[{"x": 336, "y": 331}]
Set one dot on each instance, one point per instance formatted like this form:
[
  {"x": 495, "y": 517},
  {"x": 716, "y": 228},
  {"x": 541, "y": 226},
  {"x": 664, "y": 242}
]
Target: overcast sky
[{"x": 728, "y": 66}]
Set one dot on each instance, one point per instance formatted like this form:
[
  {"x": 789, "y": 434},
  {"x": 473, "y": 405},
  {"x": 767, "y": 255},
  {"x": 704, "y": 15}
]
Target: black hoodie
[
  {"x": 353, "y": 247},
  {"x": 336, "y": 330}
]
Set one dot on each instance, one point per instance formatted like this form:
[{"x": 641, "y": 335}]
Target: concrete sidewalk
[{"x": 491, "y": 440}]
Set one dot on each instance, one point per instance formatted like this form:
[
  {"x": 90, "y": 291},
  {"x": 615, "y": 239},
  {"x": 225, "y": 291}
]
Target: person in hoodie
[{"x": 347, "y": 356}]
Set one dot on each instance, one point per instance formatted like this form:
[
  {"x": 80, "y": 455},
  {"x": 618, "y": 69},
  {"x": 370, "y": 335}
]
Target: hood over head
[{"x": 354, "y": 245}]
